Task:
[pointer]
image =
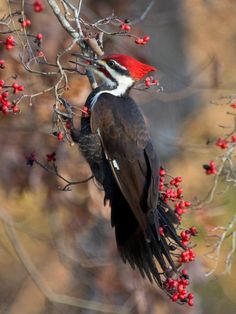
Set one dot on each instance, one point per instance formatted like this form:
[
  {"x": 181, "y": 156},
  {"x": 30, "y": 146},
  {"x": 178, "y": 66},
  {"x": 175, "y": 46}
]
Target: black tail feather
[{"x": 153, "y": 258}]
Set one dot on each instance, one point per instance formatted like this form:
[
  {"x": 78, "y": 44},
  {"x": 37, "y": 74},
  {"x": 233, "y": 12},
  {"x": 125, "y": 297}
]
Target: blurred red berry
[
  {"x": 17, "y": 88},
  {"x": 233, "y": 138},
  {"x": 139, "y": 41},
  {"x": 2, "y": 83},
  {"x": 222, "y": 143},
  {"x": 10, "y": 42},
  {"x": 162, "y": 171},
  {"x": 125, "y": 27},
  {"x": 40, "y": 36},
  {"x": 38, "y": 6},
  {"x": 146, "y": 39},
  {"x": 26, "y": 23},
  {"x": 60, "y": 136},
  {"x": 211, "y": 168},
  {"x": 68, "y": 125},
  {"x": 51, "y": 157},
  {"x": 15, "y": 109}
]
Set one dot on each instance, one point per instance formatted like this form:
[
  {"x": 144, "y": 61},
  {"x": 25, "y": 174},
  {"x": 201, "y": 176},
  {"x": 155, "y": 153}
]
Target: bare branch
[
  {"x": 218, "y": 248},
  {"x": 72, "y": 32},
  {"x": 39, "y": 281}
]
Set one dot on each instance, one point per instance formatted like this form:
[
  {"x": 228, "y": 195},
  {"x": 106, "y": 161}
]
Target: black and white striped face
[{"x": 114, "y": 75}]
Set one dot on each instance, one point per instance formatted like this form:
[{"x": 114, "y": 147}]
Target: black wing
[{"x": 128, "y": 149}]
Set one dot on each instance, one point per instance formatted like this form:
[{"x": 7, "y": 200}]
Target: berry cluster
[
  {"x": 187, "y": 256},
  {"x": 211, "y": 168},
  {"x": 142, "y": 41},
  {"x": 222, "y": 143},
  {"x": 17, "y": 88},
  {"x": 9, "y": 42},
  {"x": 125, "y": 27},
  {"x": 25, "y": 23},
  {"x": 177, "y": 288},
  {"x": 150, "y": 81},
  {"x": 7, "y": 106},
  {"x": 60, "y": 135},
  {"x": 172, "y": 192}
]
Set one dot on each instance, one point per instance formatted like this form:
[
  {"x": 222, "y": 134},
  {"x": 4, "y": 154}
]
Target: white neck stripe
[{"x": 124, "y": 83}]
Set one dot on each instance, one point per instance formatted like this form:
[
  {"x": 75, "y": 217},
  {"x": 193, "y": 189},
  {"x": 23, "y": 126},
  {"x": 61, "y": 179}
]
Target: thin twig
[{"x": 39, "y": 281}]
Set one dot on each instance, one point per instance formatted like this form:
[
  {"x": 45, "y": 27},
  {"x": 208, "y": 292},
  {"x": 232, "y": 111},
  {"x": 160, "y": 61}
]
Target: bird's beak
[{"x": 93, "y": 64}]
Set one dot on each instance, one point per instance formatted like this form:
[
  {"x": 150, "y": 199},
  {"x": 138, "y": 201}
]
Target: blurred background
[{"x": 67, "y": 235}]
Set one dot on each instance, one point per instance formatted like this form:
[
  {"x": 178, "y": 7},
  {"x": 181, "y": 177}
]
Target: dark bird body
[{"x": 115, "y": 142}]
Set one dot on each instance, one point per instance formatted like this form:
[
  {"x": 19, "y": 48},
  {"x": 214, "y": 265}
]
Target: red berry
[
  {"x": 15, "y": 109},
  {"x": 125, "y": 27},
  {"x": 23, "y": 24},
  {"x": 187, "y": 204},
  {"x": 60, "y": 136},
  {"x": 190, "y": 296},
  {"x": 222, "y": 143},
  {"x": 20, "y": 88},
  {"x": 26, "y": 23},
  {"x": 146, "y": 39},
  {"x": 38, "y": 6},
  {"x": 5, "y": 109},
  {"x": 68, "y": 125},
  {"x": 40, "y": 36},
  {"x": 233, "y": 138},
  {"x": 5, "y": 94},
  {"x": 9, "y": 46},
  {"x": 148, "y": 83},
  {"x": 175, "y": 297},
  {"x": 161, "y": 231},
  {"x": 162, "y": 172},
  {"x": 181, "y": 289},
  {"x": 15, "y": 86},
  {"x": 193, "y": 230},
  {"x": 10, "y": 39},
  {"x": 139, "y": 41},
  {"x": 190, "y": 302},
  {"x": 180, "y": 191}
]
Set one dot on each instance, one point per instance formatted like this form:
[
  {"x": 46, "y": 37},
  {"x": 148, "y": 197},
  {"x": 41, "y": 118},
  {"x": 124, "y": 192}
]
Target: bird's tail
[{"x": 155, "y": 257}]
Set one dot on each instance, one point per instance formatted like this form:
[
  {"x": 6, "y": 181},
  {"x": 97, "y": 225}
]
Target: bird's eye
[{"x": 111, "y": 63}]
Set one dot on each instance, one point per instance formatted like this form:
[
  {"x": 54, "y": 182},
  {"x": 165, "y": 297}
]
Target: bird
[{"x": 115, "y": 141}]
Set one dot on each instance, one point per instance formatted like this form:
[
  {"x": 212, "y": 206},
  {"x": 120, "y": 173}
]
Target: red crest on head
[{"x": 137, "y": 69}]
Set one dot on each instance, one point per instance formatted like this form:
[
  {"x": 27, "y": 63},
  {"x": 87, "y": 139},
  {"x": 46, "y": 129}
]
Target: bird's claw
[{"x": 68, "y": 107}]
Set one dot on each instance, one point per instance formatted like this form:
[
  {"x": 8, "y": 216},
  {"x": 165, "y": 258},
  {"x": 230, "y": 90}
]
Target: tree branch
[{"x": 40, "y": 283}]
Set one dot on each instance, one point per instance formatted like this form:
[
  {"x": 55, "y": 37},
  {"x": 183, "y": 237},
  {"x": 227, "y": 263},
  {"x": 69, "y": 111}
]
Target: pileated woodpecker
[{"x": 116, "y": 143}]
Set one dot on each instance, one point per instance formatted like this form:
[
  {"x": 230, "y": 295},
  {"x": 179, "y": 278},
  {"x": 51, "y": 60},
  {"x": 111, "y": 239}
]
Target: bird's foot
[{"x": 68, "y": 115}]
